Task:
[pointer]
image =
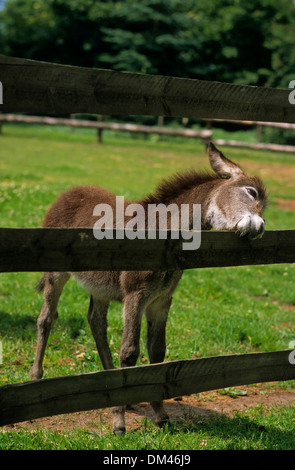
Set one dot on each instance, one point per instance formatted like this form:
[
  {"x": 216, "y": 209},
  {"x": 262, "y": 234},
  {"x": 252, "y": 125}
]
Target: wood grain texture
[
  {"x": 44, "y": 88},
  {"x": 57, "y": 249},
  {"x": 47, "y": 397}
]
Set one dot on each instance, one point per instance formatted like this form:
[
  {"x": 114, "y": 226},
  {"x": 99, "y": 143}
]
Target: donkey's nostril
[
  {"x": 251, "y": 225},
  {"x": 259, "y": 232},
  {"x": 259, "y": 226},
  {"x": 243, "y": 226}
]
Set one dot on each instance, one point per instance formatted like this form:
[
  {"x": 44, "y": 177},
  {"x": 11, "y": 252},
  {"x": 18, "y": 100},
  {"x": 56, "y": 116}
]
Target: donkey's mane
[{"x": 177, "y": 184}]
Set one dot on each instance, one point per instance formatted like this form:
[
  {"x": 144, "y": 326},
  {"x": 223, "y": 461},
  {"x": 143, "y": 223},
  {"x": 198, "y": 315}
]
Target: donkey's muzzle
[{"x": 252, "y": 226}]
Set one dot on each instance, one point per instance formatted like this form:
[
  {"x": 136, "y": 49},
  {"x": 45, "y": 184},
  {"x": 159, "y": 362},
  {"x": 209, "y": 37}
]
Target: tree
[
  {"x": 226, "y": 40},
  {"x": 151, "y": 36},
  {"x": 244, "y": 42}
]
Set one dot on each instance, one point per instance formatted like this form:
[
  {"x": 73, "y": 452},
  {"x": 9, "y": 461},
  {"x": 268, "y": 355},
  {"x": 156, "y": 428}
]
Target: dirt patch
[
  {"x": 179, "y": 410},
  {"x": 288, "y": 204}
]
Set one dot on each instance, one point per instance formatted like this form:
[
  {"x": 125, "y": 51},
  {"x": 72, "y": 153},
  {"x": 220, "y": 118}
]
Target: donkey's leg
[
  {"x": 156, "y": 315},
  {"x": 132, "y": 315},
  {"x": 52, "y": 284},
  {"x": 97, "y": 319}
]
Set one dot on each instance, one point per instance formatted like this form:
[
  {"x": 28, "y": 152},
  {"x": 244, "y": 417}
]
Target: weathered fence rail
[
  {"x": 50, "y": 89},
  {"x": 31, "y": 400},
  {"x": 76, "y": 249},
  {"x": 279, "y": 125},
  {"x": 258, "y": 145}
]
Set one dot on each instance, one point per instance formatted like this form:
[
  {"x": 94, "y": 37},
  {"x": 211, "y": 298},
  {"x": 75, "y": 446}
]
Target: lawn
[{"x": 214, "y": 311}]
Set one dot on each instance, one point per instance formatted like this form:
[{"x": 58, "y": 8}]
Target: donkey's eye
[{"x": 252, "y": 192}]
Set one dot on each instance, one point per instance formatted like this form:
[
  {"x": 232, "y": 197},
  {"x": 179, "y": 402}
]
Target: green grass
[
  {"x": 214, "y": 311},
  {"x": 255, "y": 429}
]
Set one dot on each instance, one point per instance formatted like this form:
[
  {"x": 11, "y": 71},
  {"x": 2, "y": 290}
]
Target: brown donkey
[{"x": 229, "y": 200}]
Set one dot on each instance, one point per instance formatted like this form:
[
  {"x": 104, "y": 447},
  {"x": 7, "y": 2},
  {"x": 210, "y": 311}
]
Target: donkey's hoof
[
  {"x": 36, "y": 375},
  {"x": 119, "y": 431}
]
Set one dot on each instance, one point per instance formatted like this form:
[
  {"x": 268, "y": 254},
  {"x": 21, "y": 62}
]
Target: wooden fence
[
  {"x": 205, "y": 135},
  {"x": 258, "y": 145},
  {"x": 51, "y": 89},
  {"x": 37, "y": 87},
  {"x": 76, "y": 249},
  {"x": 31, "y": 400}
]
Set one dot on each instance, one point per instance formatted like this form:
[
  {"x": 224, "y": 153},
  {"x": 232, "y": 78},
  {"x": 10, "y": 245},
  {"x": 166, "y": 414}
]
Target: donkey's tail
[{"x": 41, "y": 284}]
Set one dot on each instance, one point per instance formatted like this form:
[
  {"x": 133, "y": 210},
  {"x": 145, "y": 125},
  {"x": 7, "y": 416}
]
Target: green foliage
[
  {"x": 226, "y": 40},
  {"x": 278, "y": 135}
]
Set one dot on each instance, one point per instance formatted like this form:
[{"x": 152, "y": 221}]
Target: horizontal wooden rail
[
  {"x": 114, "y": 126},
  {"x": 205, "y": 135},
  {"x": 57, "y": 249},
  {"x": 255, "y": 146},
  {"x": 47, "y": 397},
  {"x": 281, "y": 125},
  {"x": 46, "y": 88}
]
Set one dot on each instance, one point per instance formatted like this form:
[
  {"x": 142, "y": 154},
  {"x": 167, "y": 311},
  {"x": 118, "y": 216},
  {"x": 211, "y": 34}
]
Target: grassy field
[{"x": 214, "y": 311}]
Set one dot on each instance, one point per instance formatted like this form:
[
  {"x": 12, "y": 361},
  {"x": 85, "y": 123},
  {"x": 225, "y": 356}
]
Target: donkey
[{"x": 229, "y": 200}]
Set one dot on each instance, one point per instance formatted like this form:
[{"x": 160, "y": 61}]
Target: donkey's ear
[{"x": 222, "y": 165}]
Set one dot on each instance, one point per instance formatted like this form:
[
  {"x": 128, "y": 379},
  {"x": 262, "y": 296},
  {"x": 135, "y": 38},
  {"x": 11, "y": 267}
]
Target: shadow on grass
[
  {"x": 17, "y": 325},
  {"x": 257, "y": 427},
  {"x": 241, "y": 431},
  {"x": 22, "y": 326}
]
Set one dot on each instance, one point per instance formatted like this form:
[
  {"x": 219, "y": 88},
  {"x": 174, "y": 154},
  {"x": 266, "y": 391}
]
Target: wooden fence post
[
  {"x": 258, "y": 133},
  {"x": 100, "y": 129}
]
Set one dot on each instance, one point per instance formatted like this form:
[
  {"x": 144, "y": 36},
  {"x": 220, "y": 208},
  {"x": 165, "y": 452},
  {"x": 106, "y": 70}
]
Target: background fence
[
  {"x": 41, "y": 88},
  {"x": 205, "y": 135}
]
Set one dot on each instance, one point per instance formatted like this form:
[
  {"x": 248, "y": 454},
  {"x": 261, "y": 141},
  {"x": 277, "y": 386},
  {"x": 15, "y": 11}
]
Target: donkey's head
[{"x": 238, "y": 201}]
